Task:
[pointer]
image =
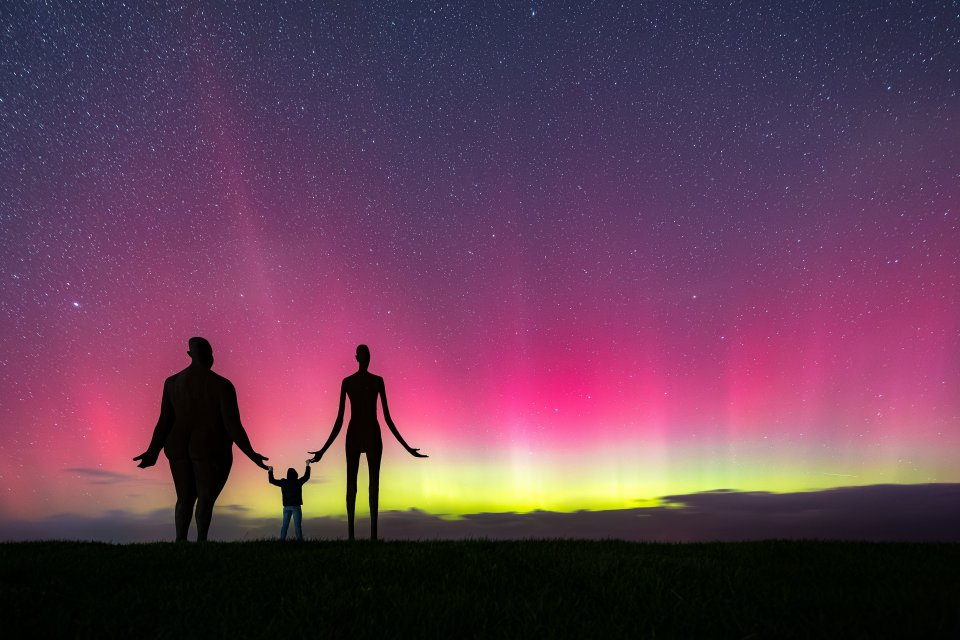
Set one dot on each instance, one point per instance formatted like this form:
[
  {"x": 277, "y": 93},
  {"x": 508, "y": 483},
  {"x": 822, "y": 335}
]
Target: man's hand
[
  {"x": 258, "y": 460},
  {"x": 316, "y": 456},
  {"x": 416, "y": 453},
  {"x": 146, "y": 459},
  {"x": 269, "y": 468}
]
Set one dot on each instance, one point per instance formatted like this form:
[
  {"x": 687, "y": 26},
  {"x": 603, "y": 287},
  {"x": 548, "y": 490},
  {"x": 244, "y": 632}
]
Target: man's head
[
  {"x": 363, "y": 355},
  {"x": 292, "y": 474},
  {"x": 200, "y": 352}
]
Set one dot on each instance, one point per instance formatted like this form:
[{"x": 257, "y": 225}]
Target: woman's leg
[
  {"x": 211, "y": 475},
  {"x": 373, "y": 462},
  {"x": 353, "y": 466},
  {"x": 186, "y": 485},
  {"x": 286, "y": 523}
]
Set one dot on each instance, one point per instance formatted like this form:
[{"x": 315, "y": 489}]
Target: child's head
[{"x": 292, "y": 474}]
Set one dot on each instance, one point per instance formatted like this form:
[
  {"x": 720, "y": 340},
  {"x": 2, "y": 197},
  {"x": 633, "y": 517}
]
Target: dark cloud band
[{"x": 918, "y": 513}]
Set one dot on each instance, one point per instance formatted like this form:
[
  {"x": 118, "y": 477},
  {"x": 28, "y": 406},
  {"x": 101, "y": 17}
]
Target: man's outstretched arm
[
  {"x": 306, "y": 475},
  {"x": 160, "y": 432},
  {"x": 231, "y": 421},
  {"x": 393, "y": 428}
]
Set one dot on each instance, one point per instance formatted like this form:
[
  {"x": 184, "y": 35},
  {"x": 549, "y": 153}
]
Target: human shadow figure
[
  {"x": 291, "y": 489},
  {"x": 198, "y": 426},
  {"x": 363, "y": 434}
]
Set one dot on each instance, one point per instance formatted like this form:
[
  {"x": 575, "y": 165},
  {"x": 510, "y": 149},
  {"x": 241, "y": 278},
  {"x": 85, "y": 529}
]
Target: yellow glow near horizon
[{"x": 457, "y": 483}]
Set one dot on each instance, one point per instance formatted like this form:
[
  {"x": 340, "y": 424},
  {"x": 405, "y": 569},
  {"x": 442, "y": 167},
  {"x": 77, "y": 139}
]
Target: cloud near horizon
[
  {"x": 917, "y": 513},
  {"x": 94, "y": 475}
]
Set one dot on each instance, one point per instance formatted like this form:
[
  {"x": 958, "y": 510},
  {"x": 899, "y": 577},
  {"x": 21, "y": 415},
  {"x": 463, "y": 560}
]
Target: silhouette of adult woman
[
  {"x": 363, "y": 434},
  {"x": 198, "y": 426}
]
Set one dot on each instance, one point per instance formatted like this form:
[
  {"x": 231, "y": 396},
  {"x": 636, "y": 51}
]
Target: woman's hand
[
  {"x": 258, "y": 460},
  {"x": 316, "y": 456},
  {"x": 146, "y": 459},
  {"x": 416, "y": 453}
]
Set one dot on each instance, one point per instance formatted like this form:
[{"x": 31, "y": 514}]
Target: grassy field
[{"x": 532, "y": 589}]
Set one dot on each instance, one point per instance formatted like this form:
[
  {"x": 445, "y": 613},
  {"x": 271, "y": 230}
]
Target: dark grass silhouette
[{"x": 773, "y": 589}]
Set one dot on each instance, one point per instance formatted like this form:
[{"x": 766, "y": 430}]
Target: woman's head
[
  {"x": 363, "y": 355},
  {"x": 200, "y": 351}
]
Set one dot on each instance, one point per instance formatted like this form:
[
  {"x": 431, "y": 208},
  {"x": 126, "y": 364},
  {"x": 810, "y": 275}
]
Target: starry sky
[{"x": 602, "y": 252}]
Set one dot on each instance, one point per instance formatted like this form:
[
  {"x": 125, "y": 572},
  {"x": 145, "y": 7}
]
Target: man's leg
[
  {"x": 286, "y": 523},
  {"x": 186, "y": 485},
  {"x": 211, "y": 474},
  {"x": 373, "y": 462},
  {"x": 297, "y": 520},
  {"x": 353, "y": 466}
]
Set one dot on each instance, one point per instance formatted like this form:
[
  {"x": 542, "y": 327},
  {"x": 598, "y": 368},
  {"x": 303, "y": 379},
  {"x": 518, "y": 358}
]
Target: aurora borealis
[{"x": 601, "y": 252}]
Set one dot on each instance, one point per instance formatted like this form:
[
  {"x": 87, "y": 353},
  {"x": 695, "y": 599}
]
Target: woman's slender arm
[
  {"x": 336, "y": 425},
  {"x": 230, "y": 411},
  {"x": 393, "y": 428},
  {"x": 149, "y": 457}
]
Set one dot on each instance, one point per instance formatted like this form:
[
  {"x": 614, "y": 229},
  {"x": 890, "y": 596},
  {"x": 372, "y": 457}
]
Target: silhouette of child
[{"x": 291, "y": 488}]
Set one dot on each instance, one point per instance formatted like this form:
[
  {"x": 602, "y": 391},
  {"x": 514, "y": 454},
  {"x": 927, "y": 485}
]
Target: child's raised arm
[
  {"x": 271, "y": 478},
  {"x": 306, "y": 474}
]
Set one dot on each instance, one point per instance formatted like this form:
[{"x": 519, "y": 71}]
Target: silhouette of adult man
[
  {"x": 363, "y": 434},
  {"x": 198, "y": 426}
]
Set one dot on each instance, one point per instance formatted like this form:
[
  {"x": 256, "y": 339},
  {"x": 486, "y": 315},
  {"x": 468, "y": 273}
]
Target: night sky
[{"x": 601, "y": 252}]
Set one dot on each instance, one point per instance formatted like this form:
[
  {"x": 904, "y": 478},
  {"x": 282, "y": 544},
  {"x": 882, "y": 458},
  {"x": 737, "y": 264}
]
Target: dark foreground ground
[{"x": 531, "y": 589}]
